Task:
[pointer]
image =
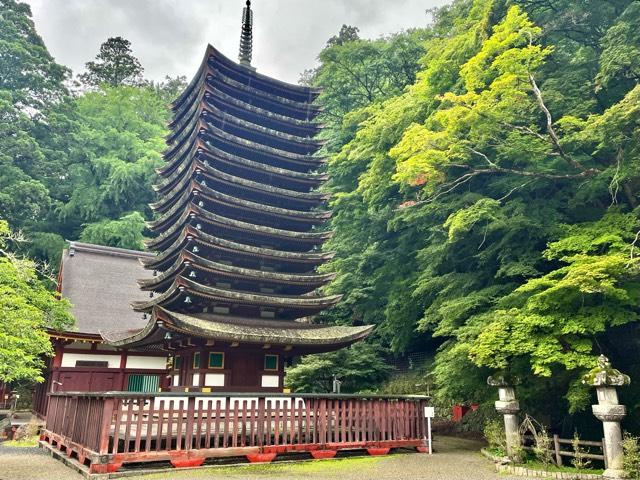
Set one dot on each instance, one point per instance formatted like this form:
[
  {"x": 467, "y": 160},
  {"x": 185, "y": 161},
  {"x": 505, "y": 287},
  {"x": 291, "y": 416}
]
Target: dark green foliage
[
  {"x": 358, "y": 367},
  {"x": 465, "y": 225},
  {"x": 115, "y": 65}
]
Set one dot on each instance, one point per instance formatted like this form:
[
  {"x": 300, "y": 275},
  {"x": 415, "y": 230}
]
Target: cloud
[{"x": 169, "y": 36}]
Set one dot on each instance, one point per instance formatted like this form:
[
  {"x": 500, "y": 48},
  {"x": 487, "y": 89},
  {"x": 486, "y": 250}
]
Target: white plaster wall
[
  {"x": 151, "y": 363},
  {"x": 270, "y": 381},
  {"x": 69, "y": 359},
  {"x": 214, "y": 379}
]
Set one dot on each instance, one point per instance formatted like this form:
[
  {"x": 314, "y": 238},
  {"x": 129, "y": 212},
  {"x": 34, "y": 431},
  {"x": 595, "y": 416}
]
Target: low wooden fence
[
  {"x": 593, "y": 450},
  {"x": 105, "y": 430}
]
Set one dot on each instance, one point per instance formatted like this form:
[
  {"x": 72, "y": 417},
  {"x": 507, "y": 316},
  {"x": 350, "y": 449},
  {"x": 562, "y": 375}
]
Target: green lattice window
[
  {"x": 271, "y": 362},
  {"x": 143, "y": 383},
  {"x": 216, "y": 360}
]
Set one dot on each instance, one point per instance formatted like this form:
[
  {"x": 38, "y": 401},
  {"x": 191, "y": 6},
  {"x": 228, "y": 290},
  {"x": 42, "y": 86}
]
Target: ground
[{"x": 455, "y": 459}]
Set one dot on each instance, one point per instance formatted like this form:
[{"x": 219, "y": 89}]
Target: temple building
[{"x": 233, "y": 288}]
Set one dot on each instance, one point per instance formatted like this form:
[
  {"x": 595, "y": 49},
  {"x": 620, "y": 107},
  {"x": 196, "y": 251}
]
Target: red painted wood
[
  {"x": 252, "y": 419},
  {"x": 243, "y": 425},
  {"x": 179, "y": 434},
  {"x": 216, "y": 430},
  {"x": 321, "y": 454},
  {"x": 199, "y": 421},
  {"x": 105, "y": 425},
  {"x": 207, "y": 433},
  {"x": 234, "y": 438},
  {"x": 169, "y": 426},
  {"x": 104, "y": 468},
  {"x": 77, "y": 425},
  {"x": 276, "y": 424},
  {"x": 187, "y": 462},
  {"x": 225, "y": 438},
  {"x": 190, "y": 414},
  {"x": 378, "y": 450},
  {"x": 261, "y": 457}
]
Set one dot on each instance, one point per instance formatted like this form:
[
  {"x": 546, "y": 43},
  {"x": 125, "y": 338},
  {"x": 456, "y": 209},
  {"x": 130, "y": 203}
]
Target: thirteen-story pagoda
[{"x": 239, "y": 229}]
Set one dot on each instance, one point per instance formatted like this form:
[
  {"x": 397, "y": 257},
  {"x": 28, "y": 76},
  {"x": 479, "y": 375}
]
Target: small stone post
[
  {"x": 605, "y": 379},
  {"x": 509, "y": 407}
]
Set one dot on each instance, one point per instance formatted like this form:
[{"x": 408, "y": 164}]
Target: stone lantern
[
  {"x": 508, "y": 406},
  {"x": 605, "y": 379}
]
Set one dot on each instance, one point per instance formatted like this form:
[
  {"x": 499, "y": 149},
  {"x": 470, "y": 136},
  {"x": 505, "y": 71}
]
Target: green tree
[
  {"x": 115, "y": 65},
  {"x": 29, "y": 76},
  {"x": 27, "y": 308},
  {"x": 496, "y": 198},
  {"x": 357, "y": 367},
  {"x": 126, "y": 232},
  {"x": 122, "y": 133}
]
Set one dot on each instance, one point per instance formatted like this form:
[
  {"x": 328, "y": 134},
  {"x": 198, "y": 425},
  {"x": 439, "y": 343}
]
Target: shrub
[
  {"x": 631, "y": 456},
  {"x": 542, "y": 448},
  {"x": 579, "y": 460},
  {"x": 494, "y": 434}
]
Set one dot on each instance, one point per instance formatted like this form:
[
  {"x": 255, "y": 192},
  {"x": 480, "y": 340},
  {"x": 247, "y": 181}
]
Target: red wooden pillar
[{"x": 104, "y": 463}]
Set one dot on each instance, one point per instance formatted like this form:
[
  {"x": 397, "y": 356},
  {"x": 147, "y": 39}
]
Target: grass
[
  {"x": 534, "y": 465},
  {"x": 275, "y": 470},
  {"x": 24, "y": 443}
]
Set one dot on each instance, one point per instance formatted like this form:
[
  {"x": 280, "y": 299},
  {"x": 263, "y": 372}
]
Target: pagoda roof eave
[
  {"x": 197, "y": 143},
  {"x": 195, "y": 148},
  {"x": 313, "y": 280},
  {"x": 319, "y": 337},
  {"x": 211, "y": 50},
  {"x": 186, "y": 121},
  {"x": 207, "y": 69},
  {"x": 214, "y": 174},
  {"x": 196, "y": 189},
  {"x": 182, "y": 284},
  {"x": 211, "y": 241},
  {"x": 238, "y": 225},
  {"x": 208, "y": 95},
  {"x": 276, "y": 153}
]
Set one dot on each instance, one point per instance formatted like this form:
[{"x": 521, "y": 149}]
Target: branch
[
  {"x": 552, "y": 133},
  {"x": 42, "y": 268},
  {"x": 633, "y": 248}
]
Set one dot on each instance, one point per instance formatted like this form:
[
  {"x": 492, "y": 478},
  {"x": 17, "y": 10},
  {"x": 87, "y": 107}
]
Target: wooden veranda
[{"x": 107, "y": 430}]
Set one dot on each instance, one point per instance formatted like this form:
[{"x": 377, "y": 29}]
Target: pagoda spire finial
[{"x": 246, "y": 36}]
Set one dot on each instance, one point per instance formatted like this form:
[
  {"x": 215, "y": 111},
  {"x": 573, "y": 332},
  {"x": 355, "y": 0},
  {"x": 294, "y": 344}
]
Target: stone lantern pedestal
[
  {"x": 605, "y": 379},
  {"x": 508, "y": 406}
]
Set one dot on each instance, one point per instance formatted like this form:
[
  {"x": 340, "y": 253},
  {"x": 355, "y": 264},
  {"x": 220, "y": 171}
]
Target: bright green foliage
[
  {"x": 26, "y": 309},
  {"x": 125, "y": 232},
  {"x": 487, "y": 212},
  {"x": 553, "y": 318},
  {"x": 357, "y": 367},
  {"x": 122, "y": 133}
]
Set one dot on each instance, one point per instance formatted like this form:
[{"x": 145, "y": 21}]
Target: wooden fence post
[
  {"x": 556, "y": 447},
  {"x": 105, "y": 426}
]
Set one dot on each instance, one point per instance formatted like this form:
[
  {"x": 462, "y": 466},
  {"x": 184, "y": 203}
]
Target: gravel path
[
  {"x": 455, "y": 459},
  {"x": 32, "y": 463}
]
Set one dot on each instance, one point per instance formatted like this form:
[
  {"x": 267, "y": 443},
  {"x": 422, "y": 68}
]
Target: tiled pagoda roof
[{"x": 239, "y": 225}]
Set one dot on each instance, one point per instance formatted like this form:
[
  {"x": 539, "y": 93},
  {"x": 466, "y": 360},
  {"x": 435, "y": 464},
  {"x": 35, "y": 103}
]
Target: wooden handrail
[{"x": 359, "y": 396}]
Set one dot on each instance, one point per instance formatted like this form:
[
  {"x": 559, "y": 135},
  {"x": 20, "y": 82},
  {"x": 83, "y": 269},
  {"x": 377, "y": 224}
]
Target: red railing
[{"x": 108, "y": 429}]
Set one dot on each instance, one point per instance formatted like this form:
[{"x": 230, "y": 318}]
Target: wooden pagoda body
[{"x": 239, "y": 229}]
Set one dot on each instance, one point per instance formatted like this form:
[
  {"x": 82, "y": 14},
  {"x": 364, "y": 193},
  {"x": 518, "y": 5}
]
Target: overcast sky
[{"x": 169, "y": 36}]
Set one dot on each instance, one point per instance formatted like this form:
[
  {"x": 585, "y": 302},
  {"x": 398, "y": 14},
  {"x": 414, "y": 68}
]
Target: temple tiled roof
[
  {"x": 101, "y": 282},
  {"x": 216, "y": 327}
]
